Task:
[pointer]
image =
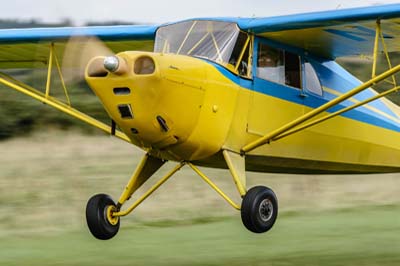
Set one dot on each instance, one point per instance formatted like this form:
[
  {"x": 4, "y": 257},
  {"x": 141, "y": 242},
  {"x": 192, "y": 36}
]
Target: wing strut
[
  {"x": 379, "y": 36},
  {"x": 322, "y": 119},
  {"x": 288, "y": 129},
  {"x": 292, "y": 128},
  {"x": 46, "y": 98}
]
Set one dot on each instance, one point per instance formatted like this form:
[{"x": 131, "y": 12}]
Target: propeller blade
[{"x": 78, "y": 52}]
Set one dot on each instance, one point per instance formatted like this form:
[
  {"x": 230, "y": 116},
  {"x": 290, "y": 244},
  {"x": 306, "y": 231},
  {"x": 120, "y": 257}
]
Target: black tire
[
  {"x": 96, "y": 217},
  {"x": 259, "y": 209}
]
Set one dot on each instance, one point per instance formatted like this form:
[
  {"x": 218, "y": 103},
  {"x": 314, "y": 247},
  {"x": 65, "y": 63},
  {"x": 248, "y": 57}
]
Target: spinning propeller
[{"x": 79, "y": 51}]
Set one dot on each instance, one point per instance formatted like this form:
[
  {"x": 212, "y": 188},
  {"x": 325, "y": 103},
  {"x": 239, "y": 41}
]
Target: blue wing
[
  {"x": 334, "y": 33},
  {"x": 106, "y": 33},
  {"x": 327, "y": 34},
  {"x": 25, "y": 48}
]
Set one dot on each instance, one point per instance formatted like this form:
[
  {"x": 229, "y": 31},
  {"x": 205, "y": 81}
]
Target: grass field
[
  {"x": 46, "y": 179},
  {"x": 357, "y": 236}
]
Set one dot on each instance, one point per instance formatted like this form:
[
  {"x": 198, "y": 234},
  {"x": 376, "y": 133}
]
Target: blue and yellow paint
[{"x": 209, "y": 108}]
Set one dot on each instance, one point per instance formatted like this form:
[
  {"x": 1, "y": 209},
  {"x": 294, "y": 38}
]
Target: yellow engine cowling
[{"x": 180, "y": 109}]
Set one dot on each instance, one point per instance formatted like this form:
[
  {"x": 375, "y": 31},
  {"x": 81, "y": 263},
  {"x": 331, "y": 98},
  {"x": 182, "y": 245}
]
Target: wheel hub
[
  {"x": 266, "y": 210},
  {"x": 113, "y": 220}
]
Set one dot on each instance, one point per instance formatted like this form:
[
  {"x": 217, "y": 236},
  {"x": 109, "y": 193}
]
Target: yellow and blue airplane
[{"x": 243, "y": 94}]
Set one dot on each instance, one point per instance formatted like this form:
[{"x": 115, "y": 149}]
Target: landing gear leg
[
  {"x": 259, "y": 208},
  {"x": 101, "y": 210}
]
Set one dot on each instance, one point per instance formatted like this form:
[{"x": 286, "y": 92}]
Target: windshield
[{"x": 213, "y": 40}]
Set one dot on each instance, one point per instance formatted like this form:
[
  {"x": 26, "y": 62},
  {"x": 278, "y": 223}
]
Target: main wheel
[
  {"x": 259, "y": 209},
  {"x": 99, "y": 219}
]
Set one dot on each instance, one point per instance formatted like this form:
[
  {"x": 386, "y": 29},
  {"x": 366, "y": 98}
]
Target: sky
[{"x": 150, "y": 11}]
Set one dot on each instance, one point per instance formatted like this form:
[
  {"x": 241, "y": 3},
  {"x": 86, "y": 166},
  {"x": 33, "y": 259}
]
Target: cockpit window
[{"x": 212, "y": 40}]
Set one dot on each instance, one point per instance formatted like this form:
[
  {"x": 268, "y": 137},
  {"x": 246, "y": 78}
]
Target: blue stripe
[
  {"x": 293, "y": 95},
  {"x": 360, "y": 114},
  {"x": 333, "y": 76},
  {"x": 245, "y": 83}
]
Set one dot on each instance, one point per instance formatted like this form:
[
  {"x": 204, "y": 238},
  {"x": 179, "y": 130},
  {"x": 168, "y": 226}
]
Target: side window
[
  {"x": 312, "y": 82},
  {"x": 270, "y": 64},
  {"x": 278, "y": 66}
]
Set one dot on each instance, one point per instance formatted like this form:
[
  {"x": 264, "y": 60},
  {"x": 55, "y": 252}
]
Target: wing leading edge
[
  {"x": 328, "y": 34},
  {"x": 29, "y": 48}
]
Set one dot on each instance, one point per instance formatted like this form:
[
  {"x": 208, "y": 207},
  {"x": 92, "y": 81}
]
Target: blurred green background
[
  {"x": 51, "y": 164},
  {"x": 46, "y": 179}
]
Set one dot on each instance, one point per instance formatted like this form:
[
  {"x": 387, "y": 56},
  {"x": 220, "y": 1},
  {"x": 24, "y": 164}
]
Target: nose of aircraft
[{"x": 155, "y": 99}]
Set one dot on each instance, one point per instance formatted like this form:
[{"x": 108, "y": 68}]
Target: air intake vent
[
  {"x": 144, "y": 66},
  {"x": 122, "y": 91},
  {"x": 125, "y": 110}
]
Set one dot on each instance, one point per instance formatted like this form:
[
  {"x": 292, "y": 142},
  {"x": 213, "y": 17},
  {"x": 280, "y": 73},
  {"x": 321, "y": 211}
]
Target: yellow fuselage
[{"x": 205, "y": 112}]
